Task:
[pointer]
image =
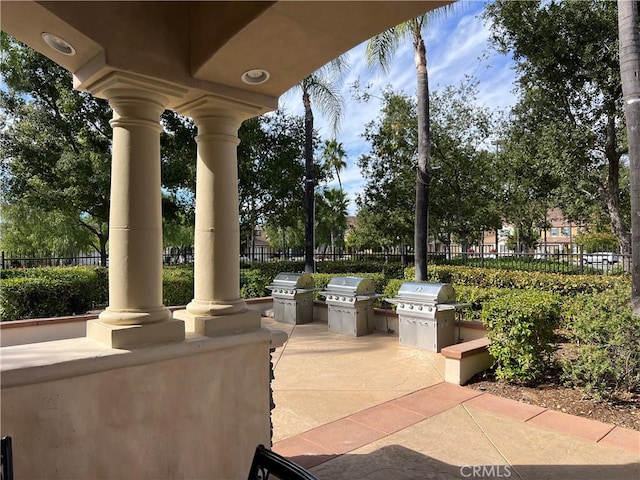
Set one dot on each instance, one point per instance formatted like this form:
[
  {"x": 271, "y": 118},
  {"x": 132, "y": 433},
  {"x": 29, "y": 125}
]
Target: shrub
[
  {"x": 521, "y": 330},
  {"x": 607, "y": 336},
  {"x": 389, "y": 270},
  {"x": 52, "y": 291},
  {"x": 477, "y": 297},
  {"x": 254, "y": 284},
  {"x": 33, "y": 298},
  {"x": 177, "y": 285},
  {"x": 392, "y": 287}
]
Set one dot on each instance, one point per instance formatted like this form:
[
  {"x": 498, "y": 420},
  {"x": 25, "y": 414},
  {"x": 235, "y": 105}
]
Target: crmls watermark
[{"x": 485, "y": 471}]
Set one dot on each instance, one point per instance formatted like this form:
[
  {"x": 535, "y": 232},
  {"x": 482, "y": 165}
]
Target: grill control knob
[
  {"x": 330, "y": 297},
  {"x": 420, "y": 307},
  {"x": 430, "y": 309},
  {"x": 410, "y": 307},
  {"x": 401, "y": 305},
  {"x": 343, "y": 299}
]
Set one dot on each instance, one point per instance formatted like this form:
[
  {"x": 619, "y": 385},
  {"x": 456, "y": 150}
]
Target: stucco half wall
[{"x": 191, "y": 410}]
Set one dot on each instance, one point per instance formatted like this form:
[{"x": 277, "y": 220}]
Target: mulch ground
[{"x": 623, "y": 411}]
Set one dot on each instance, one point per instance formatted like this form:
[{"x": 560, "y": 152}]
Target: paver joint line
[
  {"x": 536, "y": 415},
  {"x": 608, "y": 432},
  {"x": 490, "y": 440}
]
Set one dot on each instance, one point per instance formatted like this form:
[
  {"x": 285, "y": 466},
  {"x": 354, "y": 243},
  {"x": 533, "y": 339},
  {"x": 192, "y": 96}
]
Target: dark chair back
[
  {"x": 6, "y": 458},
  {"x": 269, "y": 465}
]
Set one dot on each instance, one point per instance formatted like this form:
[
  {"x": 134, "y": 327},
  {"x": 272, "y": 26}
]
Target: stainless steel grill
[
  {"x": 293, "y": 297},
  {"x": 350, "y": 304},
  {"x": 426, "y": 314}
]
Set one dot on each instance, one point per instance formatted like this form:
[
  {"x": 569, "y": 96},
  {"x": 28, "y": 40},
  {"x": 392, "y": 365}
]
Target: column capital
[
  {"x": 213, "y": 106},
  {"x": 124, "y": 84}
]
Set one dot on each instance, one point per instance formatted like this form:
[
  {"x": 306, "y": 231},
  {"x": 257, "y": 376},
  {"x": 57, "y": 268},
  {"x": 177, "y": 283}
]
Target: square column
[
  {"x": 217, "y": 307},
  {"x": 135, "y": 314}
]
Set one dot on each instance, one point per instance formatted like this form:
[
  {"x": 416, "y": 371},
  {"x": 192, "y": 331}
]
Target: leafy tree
[
  {"x": 566, "y": 57},
  {"x": 30, "y": 232},
  {"x": 178, "y": 173},
  {"x": 55, "y": 145},
  {"x": 271, "y": 176},
  {"x": 380, "y": 50},
  {"x": 387, "y": 202},
  {"x": 253, "y": 139},
  {"x": 322, "y": 89},
  {"x": 56, "y": 158},
  {"x": 629, "y": 71},
  {"x": 597, "y": 241},
  {"x": 528, "y": 186},
  {"x": 463, "y": 196}
]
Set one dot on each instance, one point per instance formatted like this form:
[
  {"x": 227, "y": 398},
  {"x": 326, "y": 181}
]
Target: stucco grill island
[
  {"x": 350, "y": 302},
  {"x": 293, "y": 297},
  {"x": 426, "y": 314}
]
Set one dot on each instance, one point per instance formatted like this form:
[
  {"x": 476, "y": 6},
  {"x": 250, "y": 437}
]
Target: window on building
[
  {"x": 257, "y": 233},
  {"x": 566, "y": 231},
  {"x": 554, "y": 231}
]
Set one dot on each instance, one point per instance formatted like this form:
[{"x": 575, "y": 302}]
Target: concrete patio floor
[{"x": 367, "y": 407}]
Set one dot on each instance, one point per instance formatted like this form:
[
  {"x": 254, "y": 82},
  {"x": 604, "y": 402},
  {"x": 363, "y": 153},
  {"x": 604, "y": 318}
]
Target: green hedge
[
  {"x": 177, "y": 285},
  {"x": 520, "y": 326},
  {"x": 58, "y": 291},
  {"x": 52, "y": 291},
  {"x": 547, "y": 282},
  {"x": 256, "y": 280}
]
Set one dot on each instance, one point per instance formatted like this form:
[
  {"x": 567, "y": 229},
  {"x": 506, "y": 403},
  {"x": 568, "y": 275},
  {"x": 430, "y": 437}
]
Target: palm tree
[
  {"x": 629, "y": 39},
  {"x": 379, "y": 51},
  {"x": 336, "y": 203},
  {"x": 334, "y": 155},
  {"x": 322, "y": 87}
]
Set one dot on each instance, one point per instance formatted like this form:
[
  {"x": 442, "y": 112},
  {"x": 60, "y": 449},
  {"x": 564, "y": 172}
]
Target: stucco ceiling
[{"x": 205, "y": 46}]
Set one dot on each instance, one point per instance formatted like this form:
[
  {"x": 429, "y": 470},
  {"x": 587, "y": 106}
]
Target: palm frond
[
  {"x": 326, "y": 96},
  {"x": 381, "y": 48}
]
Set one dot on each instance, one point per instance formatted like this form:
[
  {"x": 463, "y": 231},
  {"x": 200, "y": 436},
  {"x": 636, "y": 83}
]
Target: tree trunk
[
  {"x": 309, "y": 240},
  {"x": 629, "y": 39},
  {"x": 103, "y": 250},
  {"x": 612, "y": 190},
  {"x": 424, "y": 152}
]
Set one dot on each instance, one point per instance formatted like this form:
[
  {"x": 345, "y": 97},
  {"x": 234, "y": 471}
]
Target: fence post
[
  {"x": 3, "y": 260},
  {"x": 581, "y": 258}
]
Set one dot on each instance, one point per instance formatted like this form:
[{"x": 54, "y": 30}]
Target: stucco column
[
  {"x": 135, "y": 314},
  {"x": 217, "y": 307}
]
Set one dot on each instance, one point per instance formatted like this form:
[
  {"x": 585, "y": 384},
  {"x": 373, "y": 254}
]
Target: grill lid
[
  {"x": 292, "y": 280},
  {"x": 426, "y": 292},
  {"x": 351, "y": 286}
]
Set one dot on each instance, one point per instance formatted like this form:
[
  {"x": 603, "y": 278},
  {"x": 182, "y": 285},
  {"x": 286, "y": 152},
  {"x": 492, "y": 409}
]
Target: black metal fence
[
  {"x": 42, "y": 260},
  {"x": 576, "y": 263}
]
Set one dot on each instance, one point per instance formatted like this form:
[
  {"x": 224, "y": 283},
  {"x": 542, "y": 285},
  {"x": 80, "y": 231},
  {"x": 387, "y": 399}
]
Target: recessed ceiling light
[
  {"x": 58, "y": 44},
  {"x": 255, "y": 76}
]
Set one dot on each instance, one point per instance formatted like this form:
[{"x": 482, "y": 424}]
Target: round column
[
  {"x": 217, "y": 231},
  {"x": 217, "y": 307},
  {"x": 135, "y": 221}
]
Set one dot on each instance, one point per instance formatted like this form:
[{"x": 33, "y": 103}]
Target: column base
[
  {"x": 216, "y": 325},
  {"x": 124, "y": 336}
]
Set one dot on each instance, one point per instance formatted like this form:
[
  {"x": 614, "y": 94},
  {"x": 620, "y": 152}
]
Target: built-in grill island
[
  {"x": 293, "y": 297},
  {"x": 426, "y": 315},
  {"x": 350, "y": 303}
]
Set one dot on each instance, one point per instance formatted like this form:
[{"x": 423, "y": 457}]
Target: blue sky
[{"x": 457, "y": 45}]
